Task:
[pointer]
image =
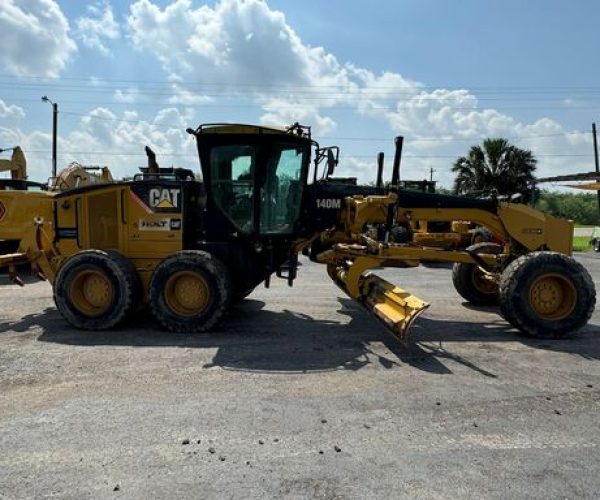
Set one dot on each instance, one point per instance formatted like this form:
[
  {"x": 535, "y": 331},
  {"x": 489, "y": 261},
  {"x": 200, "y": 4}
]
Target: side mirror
[{"x": 331, "y": 162}]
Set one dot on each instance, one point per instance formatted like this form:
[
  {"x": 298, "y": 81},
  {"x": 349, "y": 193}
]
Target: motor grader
[
  {"x": 458, "y": 234},
  {"x": 187, "y": 249}
]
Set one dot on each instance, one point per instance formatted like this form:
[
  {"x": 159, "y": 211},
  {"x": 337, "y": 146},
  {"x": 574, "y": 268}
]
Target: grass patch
[{"x": 581, "y": 244}]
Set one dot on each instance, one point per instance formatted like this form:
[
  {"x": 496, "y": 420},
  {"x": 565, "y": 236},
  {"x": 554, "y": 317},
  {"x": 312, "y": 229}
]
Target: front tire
[
  {"x": 546, "y": 294},
  {"x": 189, "y": 291},
  {"x": 472, "y": 283}
]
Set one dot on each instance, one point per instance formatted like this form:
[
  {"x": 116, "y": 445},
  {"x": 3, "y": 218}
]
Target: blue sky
[{"x": 443, "y": 74}]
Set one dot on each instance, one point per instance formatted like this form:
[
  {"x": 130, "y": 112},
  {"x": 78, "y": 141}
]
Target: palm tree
[{"x": 497, "y": 166}]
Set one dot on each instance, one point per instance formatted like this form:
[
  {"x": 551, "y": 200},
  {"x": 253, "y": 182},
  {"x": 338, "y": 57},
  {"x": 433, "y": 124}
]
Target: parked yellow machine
[
  {"x": 458, "y": 234},
  {"x": 76, "y": 175},
  {"x": 17, "y": 165},
  {"x": 187, "y": 249},
  {"x": 445, "y": 234}
]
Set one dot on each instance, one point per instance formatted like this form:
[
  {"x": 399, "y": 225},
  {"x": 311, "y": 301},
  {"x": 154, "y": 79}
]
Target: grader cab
[{"x": 188, "y": 249}]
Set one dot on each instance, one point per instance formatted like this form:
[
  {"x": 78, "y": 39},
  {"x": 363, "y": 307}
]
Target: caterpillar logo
[
  {"x": 329, "y": 203},
  {"x": 164, "y": 197}
]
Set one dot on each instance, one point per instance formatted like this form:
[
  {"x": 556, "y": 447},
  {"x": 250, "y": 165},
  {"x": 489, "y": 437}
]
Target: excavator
[{"x": 187, "y": 249}]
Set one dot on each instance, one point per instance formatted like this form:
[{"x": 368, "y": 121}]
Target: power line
[
  {"x": 359, "y": 96},
  {"x": 221, "y": 84},
  {"x": 195, "y": 155},
  {"x": 457, "y": 139},
  {"x": 357, "y": 139},
  {"x": 310, "y": 92},
  {"x": 296, "y": 106}
]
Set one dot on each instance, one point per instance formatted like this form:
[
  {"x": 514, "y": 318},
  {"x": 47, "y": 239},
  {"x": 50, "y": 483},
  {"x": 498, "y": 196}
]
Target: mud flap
[{"x": 392, "y": 305}]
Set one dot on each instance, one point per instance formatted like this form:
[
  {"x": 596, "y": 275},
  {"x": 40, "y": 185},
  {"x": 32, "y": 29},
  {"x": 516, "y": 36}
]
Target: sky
[{"x": 443, "y": 74}]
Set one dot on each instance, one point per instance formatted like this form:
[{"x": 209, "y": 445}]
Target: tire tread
[
  {"x": 512, "y": 308},
  {"x": 123, "y": 271},
  {"x": 217, "y": 271},
  {"x": 461, "y": 277}
]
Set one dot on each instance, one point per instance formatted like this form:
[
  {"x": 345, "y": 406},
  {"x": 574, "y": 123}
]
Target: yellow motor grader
[
  {"x": 188, "y": 249},
  {"x": 458, "y": 234}
]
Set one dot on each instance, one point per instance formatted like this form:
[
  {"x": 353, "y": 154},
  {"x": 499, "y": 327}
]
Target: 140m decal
[{"x": 329, "y": 203}]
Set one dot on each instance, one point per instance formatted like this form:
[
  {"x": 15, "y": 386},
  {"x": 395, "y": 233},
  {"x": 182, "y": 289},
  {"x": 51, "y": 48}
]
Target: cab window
[
  {"x": 232, "y": 175},
  {"x": 282, "y": 190}
]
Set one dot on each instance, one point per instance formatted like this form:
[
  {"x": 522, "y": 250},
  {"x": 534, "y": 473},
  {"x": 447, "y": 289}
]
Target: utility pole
[
  {"x": 54, "y": 131},
  {"x": 431, "y": 171},
  {"x": 379, "y": 182},
  {"x": 596, "y": 163}
]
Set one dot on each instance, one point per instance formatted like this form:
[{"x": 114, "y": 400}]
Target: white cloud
[
  {"x": 283, "y": 112},
  {"x": 10, "y": 113},
  {"x": 244, "y": 50},
  {"x": 97, "y": 28},
  {"x": 128, "y": 95},
  {"x": 232, "y": 43},
  {"x": 162, "y": 32},
  {"x": 186, "y": 97},
  {"x": 35, "y": 38},
  {"x": 9, "y": 138}
]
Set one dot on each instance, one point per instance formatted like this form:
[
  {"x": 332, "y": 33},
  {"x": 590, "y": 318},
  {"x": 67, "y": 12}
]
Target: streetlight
[{"x": 54, "y": 131}]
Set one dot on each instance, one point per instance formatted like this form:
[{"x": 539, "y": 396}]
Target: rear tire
[
  {"x": 96, "y": 289},
  {"x": 546, "y": 294},
  {"x": 470, "y": 281},
  {"x": 189, "y": 291}
]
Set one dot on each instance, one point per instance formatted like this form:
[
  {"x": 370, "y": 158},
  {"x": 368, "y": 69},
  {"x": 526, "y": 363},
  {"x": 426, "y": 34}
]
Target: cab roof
[{"x": 241, "y": 128}]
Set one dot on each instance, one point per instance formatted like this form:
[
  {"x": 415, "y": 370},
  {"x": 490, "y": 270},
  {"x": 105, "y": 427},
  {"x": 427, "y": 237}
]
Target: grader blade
[
  {"x": 348, "y": 266},
  {"x": 395, "y": 307}
]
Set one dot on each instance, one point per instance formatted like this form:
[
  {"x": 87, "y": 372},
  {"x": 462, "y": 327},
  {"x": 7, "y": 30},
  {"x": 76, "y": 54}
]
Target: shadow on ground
[{"x": 253, "y": 339}]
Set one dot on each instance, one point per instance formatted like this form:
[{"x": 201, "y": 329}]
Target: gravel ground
[{"x": 298, "y": 394}]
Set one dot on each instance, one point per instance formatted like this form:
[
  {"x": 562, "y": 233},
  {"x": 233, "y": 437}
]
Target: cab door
[{"x": 257, "y": 185}]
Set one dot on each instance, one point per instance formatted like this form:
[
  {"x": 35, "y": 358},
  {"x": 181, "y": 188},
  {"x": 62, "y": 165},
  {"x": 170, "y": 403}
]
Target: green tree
[
  {"x": 496, "y": 166},
  {"x": 579, "y": 207}
]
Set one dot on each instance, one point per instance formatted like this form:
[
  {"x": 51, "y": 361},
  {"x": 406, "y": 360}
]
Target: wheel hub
[
  {"x": 553, "y": 296},
  {"x": 91, "y": 292},
  {"x": 483, "y": 283},
  {"x": 187, "y": 293}
]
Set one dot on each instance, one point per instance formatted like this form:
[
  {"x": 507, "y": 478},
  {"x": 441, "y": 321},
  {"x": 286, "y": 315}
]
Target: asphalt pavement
[{"x": 299, "y": 393}]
